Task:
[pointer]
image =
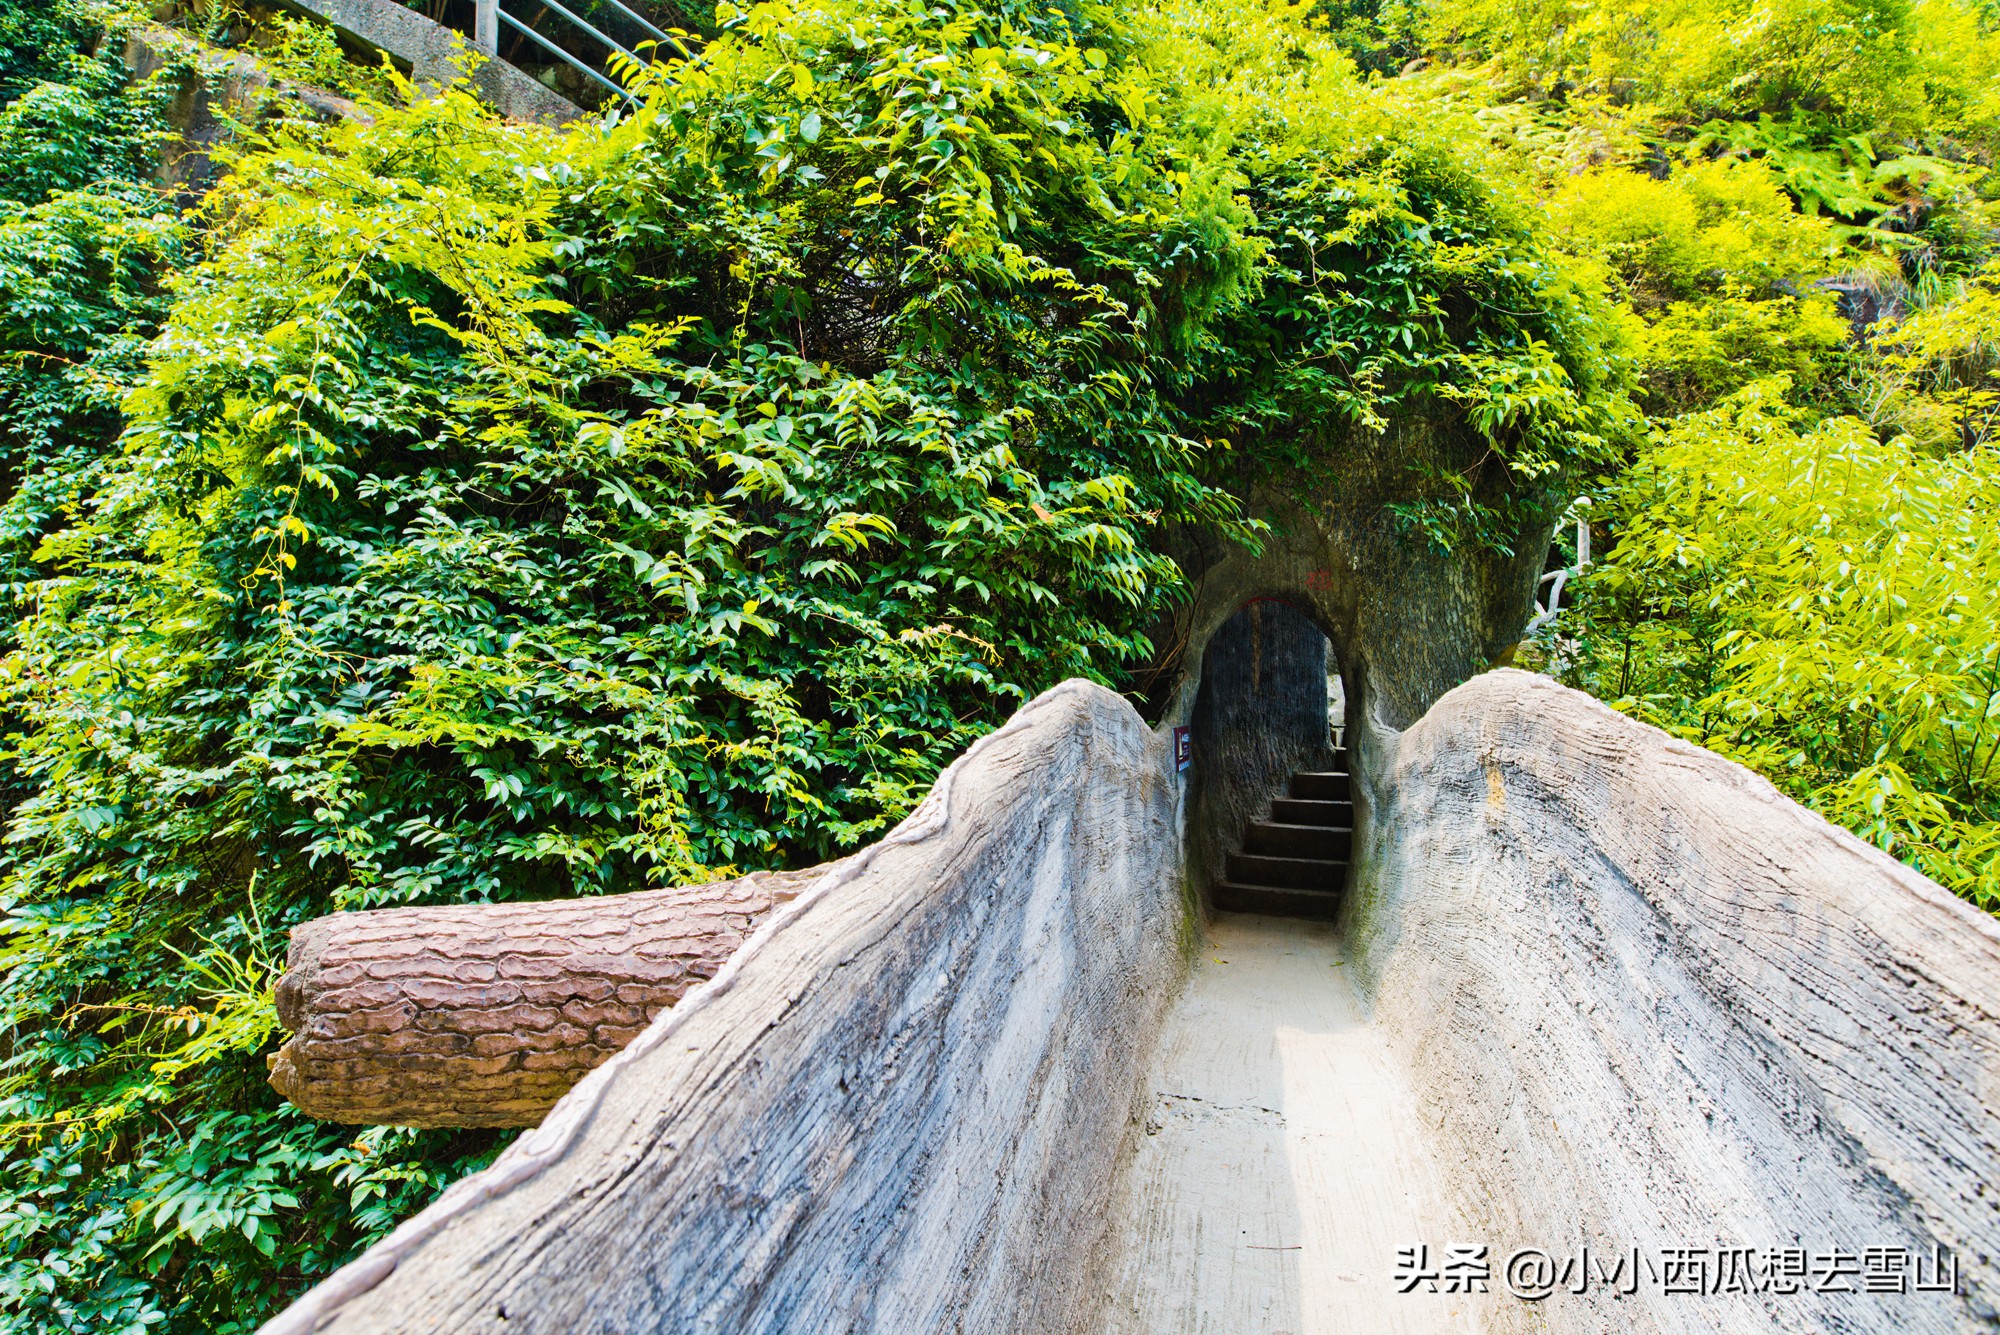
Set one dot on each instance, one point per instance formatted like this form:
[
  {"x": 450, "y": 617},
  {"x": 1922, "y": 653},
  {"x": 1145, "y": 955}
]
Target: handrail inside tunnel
[{"x": 1593, "y": 987}]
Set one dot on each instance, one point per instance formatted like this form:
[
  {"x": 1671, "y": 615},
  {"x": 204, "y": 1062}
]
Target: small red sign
[{"x": 1183, "y": 749}]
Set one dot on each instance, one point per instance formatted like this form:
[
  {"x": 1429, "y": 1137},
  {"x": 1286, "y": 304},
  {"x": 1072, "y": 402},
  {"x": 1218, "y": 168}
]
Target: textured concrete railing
[
  {"x": 899, "y": 1107},
  {"x": 1655, "y": 1003}
]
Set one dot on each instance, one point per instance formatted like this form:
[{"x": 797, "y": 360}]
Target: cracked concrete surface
[{"x": 1282, "y": 1160}]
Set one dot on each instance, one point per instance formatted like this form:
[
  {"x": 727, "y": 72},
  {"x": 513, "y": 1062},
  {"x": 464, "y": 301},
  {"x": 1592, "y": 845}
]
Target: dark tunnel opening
[{"x": 1270, "y": 815}]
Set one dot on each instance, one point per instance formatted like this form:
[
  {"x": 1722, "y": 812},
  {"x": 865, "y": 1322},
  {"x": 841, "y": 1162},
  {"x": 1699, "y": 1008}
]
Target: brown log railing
[{"x": 486, "y": 1014}]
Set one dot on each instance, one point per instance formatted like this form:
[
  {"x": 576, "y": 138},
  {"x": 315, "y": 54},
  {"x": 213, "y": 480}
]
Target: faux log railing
[
  {"x": 1654, "y": 1003},
  {"x": 898, "y": 1107},
  {"x": 485, "y": 1015}
]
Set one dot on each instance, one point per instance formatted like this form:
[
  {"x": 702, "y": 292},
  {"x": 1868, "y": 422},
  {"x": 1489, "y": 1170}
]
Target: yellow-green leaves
[
  {"x": 1939, "y": 377},
  {"x": 851, "y": 531},
  {"x": 1819, "y": 604}
]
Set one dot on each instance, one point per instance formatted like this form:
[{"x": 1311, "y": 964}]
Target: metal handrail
[
  {"x": 552, "y": 4},
  {"x": 1557, "y": 578},
  {"x": 558, "y": 52},
  {"x": 486, "y": 35},
  {"x": 640, "y": 19}
]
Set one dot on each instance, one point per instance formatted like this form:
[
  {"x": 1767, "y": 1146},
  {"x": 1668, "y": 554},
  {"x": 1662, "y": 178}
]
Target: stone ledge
[{"x": 435, "y": 56}]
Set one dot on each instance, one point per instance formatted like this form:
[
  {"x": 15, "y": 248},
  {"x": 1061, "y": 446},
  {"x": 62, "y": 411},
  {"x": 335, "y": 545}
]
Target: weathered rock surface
[
  {"x": 1652, "y": 1002},
  {"x": 1409, "y": 618},
  {"x": 219, "y": 92},
  {"x": 898, "y": 1108},
  {"x": 486, "y": 1014}
]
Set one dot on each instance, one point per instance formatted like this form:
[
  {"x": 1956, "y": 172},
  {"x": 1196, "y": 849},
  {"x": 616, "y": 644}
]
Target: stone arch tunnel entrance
[{"x": 1270, "y": 815}]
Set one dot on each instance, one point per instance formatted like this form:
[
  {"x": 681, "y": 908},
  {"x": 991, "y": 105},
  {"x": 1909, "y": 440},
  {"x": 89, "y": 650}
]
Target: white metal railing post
[
  {"x": 1555, "y": 579},
  {"x": 486, "y": 26}
]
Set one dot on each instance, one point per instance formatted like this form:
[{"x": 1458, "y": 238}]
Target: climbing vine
[{"x": 442, "y": 509}]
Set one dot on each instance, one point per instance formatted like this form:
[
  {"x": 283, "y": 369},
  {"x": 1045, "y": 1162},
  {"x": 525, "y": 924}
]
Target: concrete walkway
[{"x": 1283, "y": 1163}]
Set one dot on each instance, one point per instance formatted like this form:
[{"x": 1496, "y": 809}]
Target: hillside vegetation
[{"x": 442, "y": 509}]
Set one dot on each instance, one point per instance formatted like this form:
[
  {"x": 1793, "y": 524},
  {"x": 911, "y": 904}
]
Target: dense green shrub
[
  {"x": 1400, "y": 276},
  {"x": 452, "y": 510},
  {"x": 84, "y": 242},
  {"x": 420, "y": 581},
  {"x": 1816, "y": 602}
]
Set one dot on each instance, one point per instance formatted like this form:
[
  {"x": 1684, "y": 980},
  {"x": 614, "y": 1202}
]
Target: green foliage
[
  {"x": 68, "y": 119},
  {"x": 1816, "y": 602},
  {"x": 1703, "y": 228},
  {"x": 42, "y": 43},
  {"x": 1399, "y": 280},
  {"x": 1880, "y": 118},
  {"x": 1797, "y": 554},
  {"x": 1849, "y": 178},
  {"x": 1937, "y": 378},
  {"x": 309, "y": 52},
  {"x": 1694, "y": 352},
  {"x": 59, "y": 137},
  {"x": 1402, "y": 288},
  {"x": 1902, "y": 68},
  {"x": 454, "y": 510},
  {"x": 115, "y": 1193},
  {"x": 79, "y": 299},
  {"x": 83, "y": 241},
  {"x": 507, "y": 515}
]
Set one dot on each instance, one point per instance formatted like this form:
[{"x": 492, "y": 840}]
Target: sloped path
[{"x": 1283, "y": 1161}]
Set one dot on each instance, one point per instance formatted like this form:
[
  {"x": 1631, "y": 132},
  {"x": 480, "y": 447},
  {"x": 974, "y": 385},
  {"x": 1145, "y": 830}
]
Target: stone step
[
  {"x": 1321, "y": 905},
  {"x": 1321, "y": 785},
  {"x": 1290, "y": 873},
  {"x": 1307, "y": 811},
  {"x": 1330, "y": 843}
]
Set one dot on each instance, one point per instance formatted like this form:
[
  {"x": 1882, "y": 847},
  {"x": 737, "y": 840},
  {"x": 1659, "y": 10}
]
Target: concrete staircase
[
  {"x": 434, "y": 55},
  {"x": 1294, "y": 865}
]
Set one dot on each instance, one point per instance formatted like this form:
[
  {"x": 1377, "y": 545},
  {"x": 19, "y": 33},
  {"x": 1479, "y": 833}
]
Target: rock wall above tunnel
[{"x": 1411, "y": 612}]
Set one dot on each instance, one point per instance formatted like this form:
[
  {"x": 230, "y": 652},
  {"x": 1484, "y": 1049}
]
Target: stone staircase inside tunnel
[{"x": 1294, "y": 865}]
